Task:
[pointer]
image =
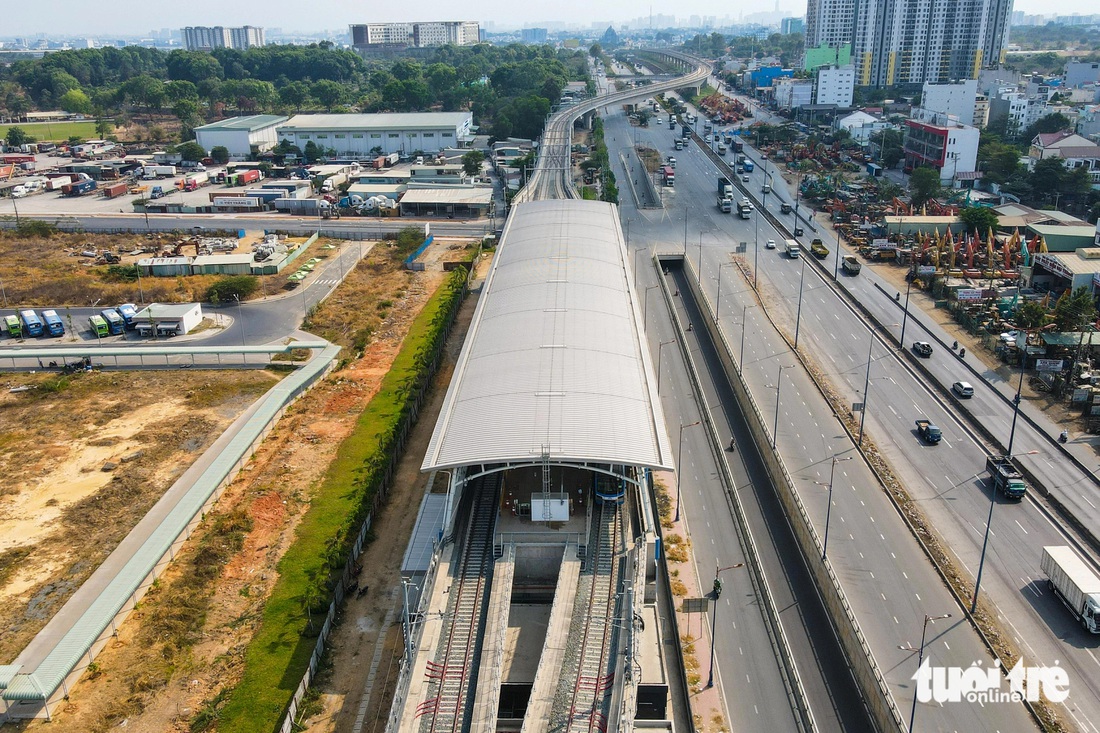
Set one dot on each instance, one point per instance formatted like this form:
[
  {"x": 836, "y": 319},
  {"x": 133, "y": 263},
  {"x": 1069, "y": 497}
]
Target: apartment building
[
  {"x": 207, "y": 38},
  {"x": 415, "y": 35}
]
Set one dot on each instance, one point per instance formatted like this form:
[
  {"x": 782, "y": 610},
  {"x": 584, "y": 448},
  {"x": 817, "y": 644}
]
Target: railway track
[{"x": 453, "y": 674}]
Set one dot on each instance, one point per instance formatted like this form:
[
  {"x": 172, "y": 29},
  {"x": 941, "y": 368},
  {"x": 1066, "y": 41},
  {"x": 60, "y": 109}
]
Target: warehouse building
[
  {"x": 367, "y": 135},
  {"x": 241, "y": 134}
]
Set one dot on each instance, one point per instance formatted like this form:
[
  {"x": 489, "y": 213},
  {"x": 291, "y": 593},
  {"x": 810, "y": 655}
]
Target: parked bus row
[{"x": 28, "y": 323}]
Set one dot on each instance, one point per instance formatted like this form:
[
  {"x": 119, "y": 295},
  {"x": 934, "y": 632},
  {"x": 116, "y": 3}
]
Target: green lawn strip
[
  {"x": 57, "y": 132},
  {"x": 276, "y": 659}
]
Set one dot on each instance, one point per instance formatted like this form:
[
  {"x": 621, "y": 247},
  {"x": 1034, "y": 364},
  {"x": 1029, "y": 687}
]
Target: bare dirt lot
[
  {"x": 40, "y": 271},
  {"x": 61, "y": 510},
  {"x": 179, "y": 654}
]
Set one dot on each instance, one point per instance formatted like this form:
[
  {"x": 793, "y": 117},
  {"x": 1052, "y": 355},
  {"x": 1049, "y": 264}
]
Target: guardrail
[{"x": 865, "y": 668}]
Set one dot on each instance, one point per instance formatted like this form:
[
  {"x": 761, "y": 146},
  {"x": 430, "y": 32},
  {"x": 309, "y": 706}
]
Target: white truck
[
  {"x": 152, "y": 172},
  {"x": 725, "y": 204},
  {"x": 1075, "y": 584},
  {"x": 792, "y": 248}
]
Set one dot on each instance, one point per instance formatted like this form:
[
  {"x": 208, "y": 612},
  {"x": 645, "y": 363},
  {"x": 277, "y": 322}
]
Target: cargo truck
[
  {"x": 668, "y": 175},
  {"x": 928, "y": 432},
  {"x": 792, "y": 248},
  {"x": 738, "y": 146},
  {"x": 744, "y": 210},
  {"x": 52, "y": 323},
  {"x": 819, "y": 250},
  {"x": 1075, "y": 584},
  {"x": 99, "y": 326},
  {"x": 725, "y": 187},
  {"x": 195, "y": 180},
  {"x": 725, "y": 204},
  {"x": 115, "y": 324},
  {"x": 685, "y": 132},
  {"x": 1007, "y": 479},
  {"x": 79, "y": 188},
  {"x": 151, "y": 172},
  {"x": 128, "y": 312},
  {"x": 32, "y": 324},
  {"x": 244, "y": 177},
  {"x": 850, "y": 264},
  {"x": 13, "y": 326}
]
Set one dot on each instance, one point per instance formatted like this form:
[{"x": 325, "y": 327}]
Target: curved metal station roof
[{"x": 554, "y": 360}]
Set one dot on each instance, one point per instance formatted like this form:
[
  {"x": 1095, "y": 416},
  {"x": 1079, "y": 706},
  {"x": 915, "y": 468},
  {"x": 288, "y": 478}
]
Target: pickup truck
[
  {"x": 819, "y": 250},
  {"x": 928, "y": 432},
  {"x": 850, "y": 264},
  {"x": 1007, "y": 479}
]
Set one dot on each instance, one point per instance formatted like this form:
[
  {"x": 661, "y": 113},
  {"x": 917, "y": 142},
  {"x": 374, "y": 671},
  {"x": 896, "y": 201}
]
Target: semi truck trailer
[{"x": 1075, "y": 584}]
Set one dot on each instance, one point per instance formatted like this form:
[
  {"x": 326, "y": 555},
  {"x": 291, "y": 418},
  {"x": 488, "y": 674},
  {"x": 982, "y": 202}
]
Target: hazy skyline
[{"x": 129, "y": 17}]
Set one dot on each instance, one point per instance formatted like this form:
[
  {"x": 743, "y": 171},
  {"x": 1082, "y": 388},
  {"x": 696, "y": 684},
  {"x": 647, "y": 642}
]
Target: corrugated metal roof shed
[
  {"x": 449, "y": 195},
  {"x": 554, "y": 358},
  {"x": 250, "y": 123}
]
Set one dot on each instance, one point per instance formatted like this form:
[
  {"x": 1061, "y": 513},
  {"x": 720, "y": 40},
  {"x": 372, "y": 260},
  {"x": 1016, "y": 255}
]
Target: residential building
[
  {"x": 361, "y": 135},
  {"x": 1074, "y": 150},
  {"x": 956, "y": 100},
  {"x": 940, "y": 142},
  {"x": 1080, "y": 73},
  {"x": 791, "y": 25},
  {"x": 242, "y": 136},
  {"x": 825, "y": 55},
  {"x": 1018, "y": 110},
  {"x": 861, "y": 125},
  {"x": 765, "y": 76},
  {"x": 207, "y": 38},
  {"x": 533, "y": 35},
  {"x": 914, "y": 41},
  {"x": 416, "y": 35},
  {"x": 981, "y": 111},
  {"x": 790, "y": 93},
  {"x": 1088, "y": 124},
  {"x": 829, "y": 22},
  {"x": 835, "y": 85}
]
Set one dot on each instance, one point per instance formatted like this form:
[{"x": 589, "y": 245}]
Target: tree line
[{"x": 510, "y": 89}]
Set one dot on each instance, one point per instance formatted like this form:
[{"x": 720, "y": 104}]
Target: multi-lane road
[{"x": 887, "y": 578}]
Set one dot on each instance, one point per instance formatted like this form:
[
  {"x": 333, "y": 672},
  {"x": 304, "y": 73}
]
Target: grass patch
[
  {"x": 56, "y": 132},
  {"x": 277, "y": 656}
]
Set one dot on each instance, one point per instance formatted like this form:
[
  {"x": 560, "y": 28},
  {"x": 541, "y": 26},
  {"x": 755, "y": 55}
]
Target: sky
[{"x": 131, "y": 17}]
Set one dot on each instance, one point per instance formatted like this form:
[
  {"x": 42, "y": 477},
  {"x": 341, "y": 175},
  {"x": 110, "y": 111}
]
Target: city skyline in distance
[{"x": 131, "y": 18}]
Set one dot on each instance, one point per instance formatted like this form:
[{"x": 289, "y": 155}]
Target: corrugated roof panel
[{"x": 553, "y": 357}]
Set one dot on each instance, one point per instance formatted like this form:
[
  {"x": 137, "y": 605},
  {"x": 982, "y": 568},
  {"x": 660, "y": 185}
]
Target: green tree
[
  {"x": 978, "y": 219},
  {"x": 232, "y": 287},
  {"x": 16, "y": 136},
  {"x": 595, "y": 51},
  {"x": 1055, "y": 122},
  {"x": 179, "y": 90},
  {"x": 144, "y": 91},
  {"x": 220, "y": 154},
  {"x": 75, "y": 101},
  {"x": 1030, "y": 315},
  {"x": 294, "y": 94},
  {"x": 191, "y": 150},
  {"x": 1046, "y": 177},
  {"x": 312, "y": 152},
  {"x": 999, "y": 161},
  {"x": 924, "y": 185},
  {"x": 471, "y": 162},
  {"x": 1074, "y": 310},
  {"x": 186, "y": 110},
  {"x": 327, "y": 92}
]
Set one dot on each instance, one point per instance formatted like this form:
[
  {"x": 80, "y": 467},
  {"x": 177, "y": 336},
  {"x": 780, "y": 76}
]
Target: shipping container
[{"x": 115, "y": 189}]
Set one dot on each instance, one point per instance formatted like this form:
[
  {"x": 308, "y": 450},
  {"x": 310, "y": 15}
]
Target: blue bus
[
  {"x": 32, "y": 324},
  {"x": 54, "y": 326},
  {"x": 115, "y": 324},
  {"x": 127, "y": 311},
  {"x": 748, "y": 166}
]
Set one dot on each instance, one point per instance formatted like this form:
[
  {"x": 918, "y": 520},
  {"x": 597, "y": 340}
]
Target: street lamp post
[
  {"x": 13, "y": 197},
  {"x": 240, "y": 314},
  {"x": 798, "y": 316},
  {"x": 700, "y": 257},
  {"x": 714, "y": 616},
  {"x": 920, "y": 659},
  {"x": 660, "y": 350},
  {"x": 778, "y": 384},
  {"x": 905, "y": 314},
  {"x": 992, "y": 490},
  {"x": 829, "y": 508},
  {"x": 645, "y": 306},
  {"x": 679, "y": 465},
  {"x": 866, "y": 385}
]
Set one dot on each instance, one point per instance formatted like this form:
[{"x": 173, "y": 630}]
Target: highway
[
  {"x": 888, "y": 580},
  {"x": 949, "y": 481}
]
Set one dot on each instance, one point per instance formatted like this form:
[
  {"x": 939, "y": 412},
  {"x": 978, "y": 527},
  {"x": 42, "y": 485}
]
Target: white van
[{"x": 792, "y": 248}]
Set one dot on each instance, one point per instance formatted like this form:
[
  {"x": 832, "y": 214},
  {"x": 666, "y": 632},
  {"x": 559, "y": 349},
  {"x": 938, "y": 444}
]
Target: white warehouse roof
[
  {"x": 382, "y": 121},
  {"x": 554, "y": 359}
]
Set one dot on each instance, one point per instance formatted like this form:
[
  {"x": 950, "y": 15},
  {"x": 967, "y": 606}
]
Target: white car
[
  {"x": 963, "y": 389},
  {"x": 770, "y": 244},
  {"x": 1009, "y": 337}
]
